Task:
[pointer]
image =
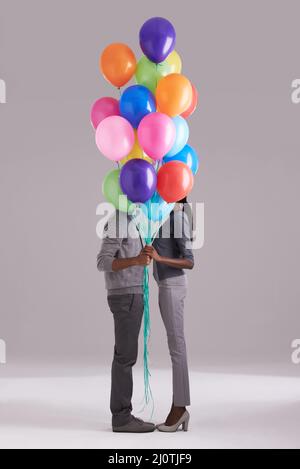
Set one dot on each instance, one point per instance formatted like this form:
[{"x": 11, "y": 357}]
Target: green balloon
[
  {"x": 113, "y": 193},
  {"x": 148, "y": 73}
]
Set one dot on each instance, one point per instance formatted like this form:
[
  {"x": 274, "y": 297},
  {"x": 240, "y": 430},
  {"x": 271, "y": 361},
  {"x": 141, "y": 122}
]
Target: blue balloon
[
  {"x": 157, "y": 209},
  {"x": 136, "y": 102},
  {"x": 182, "y": 135},
  {"x": 188, "y": 156},
  {"x": 157, "y": 39}
]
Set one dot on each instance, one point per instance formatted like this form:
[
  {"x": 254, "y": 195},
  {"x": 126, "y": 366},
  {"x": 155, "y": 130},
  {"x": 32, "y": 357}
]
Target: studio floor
[{"x": 68, "y": 408}]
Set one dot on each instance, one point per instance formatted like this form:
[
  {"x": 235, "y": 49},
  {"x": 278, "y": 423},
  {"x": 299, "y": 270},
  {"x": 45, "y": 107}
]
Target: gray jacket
[
  {"x": 121, "y": 240},
  {"x": 174, "y": 240}
]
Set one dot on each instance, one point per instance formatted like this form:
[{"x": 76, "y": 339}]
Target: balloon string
[
  {"x": 147, "y": 329},
  {"x": 148, "y": 396}
]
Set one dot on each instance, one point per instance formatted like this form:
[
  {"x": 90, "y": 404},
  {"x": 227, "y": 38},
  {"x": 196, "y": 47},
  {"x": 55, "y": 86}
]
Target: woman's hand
[
  {"x": 180, "y": 263},
  {"x": 151, "y": 251}
]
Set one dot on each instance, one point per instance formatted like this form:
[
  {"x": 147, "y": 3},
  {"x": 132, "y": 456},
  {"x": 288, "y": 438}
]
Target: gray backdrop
[{"x": 244, "y": 291}]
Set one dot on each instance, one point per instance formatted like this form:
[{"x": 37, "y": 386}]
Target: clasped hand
[{"x": 146, "y": 256}]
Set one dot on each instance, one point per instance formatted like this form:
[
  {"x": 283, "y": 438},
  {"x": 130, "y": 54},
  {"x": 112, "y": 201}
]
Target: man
[{"x": 122, "y": 260}]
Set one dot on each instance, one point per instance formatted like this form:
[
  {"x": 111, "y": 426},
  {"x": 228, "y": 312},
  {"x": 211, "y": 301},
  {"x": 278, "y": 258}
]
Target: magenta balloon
[
  {"x": 156, "y": 135},
  {"x": 103, "y": 108},
  {"x": 115, "y": 138}
]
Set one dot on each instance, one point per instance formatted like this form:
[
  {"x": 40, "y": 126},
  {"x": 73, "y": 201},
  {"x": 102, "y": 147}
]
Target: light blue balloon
[
  {"x": 187, "y": 156},
  {"x": 157, "y": 209},
  {"x": 182, "y": 135}
]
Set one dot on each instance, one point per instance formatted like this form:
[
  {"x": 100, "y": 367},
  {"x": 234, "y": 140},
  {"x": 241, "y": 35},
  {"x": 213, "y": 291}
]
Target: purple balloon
[
  {"x": 138, "y": 180},
  {"x": 157, "y": 39}
]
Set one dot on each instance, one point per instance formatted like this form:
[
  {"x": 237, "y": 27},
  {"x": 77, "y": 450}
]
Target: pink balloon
[
  {"x": 156, "y": 135},
  {"x": 103, "y": 108},
  {"x": 115, "y": 138}
]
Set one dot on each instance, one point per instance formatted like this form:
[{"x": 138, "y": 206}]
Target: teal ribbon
[
  {"x": 148, "y": 234},
  {"x": 147, "y": 330},
  {"x": 147, "y": 325}
]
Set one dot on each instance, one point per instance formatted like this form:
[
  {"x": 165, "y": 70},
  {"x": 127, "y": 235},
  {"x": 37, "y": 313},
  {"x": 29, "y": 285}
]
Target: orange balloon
[
  {"x": 175, "y": 181},
  {"x": 174, "y": 94},
  {"x": 118, "y": 64},
  {"x": 192, "y": 108}
]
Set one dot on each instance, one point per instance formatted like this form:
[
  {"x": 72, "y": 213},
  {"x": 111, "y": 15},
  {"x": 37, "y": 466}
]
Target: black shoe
[{"x": 135, "y": 426}]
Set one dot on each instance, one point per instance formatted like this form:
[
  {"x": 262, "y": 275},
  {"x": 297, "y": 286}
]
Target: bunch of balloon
[{"x": 146, "y": 133}]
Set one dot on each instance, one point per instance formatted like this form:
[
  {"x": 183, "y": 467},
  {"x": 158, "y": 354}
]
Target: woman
[{"x": 172, "y": 254}]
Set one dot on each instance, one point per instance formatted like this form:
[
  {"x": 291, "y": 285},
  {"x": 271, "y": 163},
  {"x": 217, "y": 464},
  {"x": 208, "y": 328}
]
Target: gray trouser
[
  {"x": 171, "y": 303},
  {"x": 128, "y": 313}
]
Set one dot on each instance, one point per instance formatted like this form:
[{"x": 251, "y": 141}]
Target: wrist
[{"x": 134, "y": 261}]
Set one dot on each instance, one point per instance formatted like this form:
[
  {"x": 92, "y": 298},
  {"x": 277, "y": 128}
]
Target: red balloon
[
  {"x": 175, "y": 181},
  {"x": 191, "y": 109}
]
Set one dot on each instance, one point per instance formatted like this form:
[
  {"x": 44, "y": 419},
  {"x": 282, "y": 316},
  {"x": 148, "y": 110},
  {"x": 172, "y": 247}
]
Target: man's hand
[
  {"x": 143, "y": 259},
  {"x": 151, "y": 251}
]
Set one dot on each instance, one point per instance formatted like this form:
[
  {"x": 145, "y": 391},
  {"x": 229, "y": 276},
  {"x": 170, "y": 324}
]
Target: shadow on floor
[{"x": 39, "y": 414}]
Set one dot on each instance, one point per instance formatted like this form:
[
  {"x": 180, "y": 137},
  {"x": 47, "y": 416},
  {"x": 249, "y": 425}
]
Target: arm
[
  {"x": 180, "y": 263},
  {"x": 107, "y": 261},
  {"x": 184, "y": 242},
  {"x": 186, "y": 261},
  {"x": 143, "y": 259}
]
